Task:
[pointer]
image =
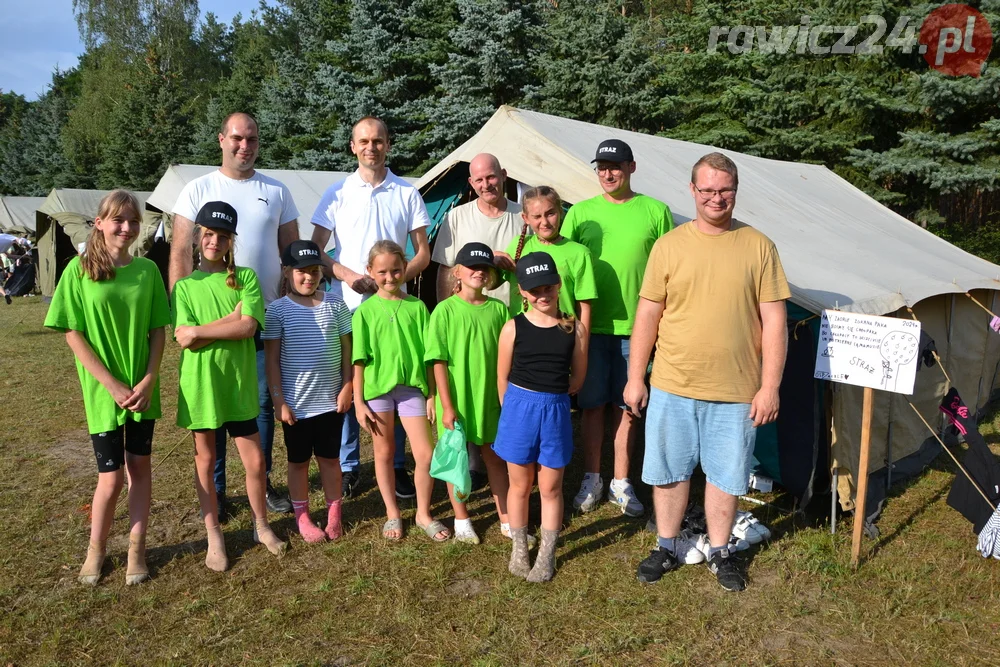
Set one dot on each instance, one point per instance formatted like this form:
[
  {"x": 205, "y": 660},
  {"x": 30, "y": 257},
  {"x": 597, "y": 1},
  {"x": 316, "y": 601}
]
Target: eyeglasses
[
  {"x": 612, "y": 168},
  {"x": 728, "y": 193}
]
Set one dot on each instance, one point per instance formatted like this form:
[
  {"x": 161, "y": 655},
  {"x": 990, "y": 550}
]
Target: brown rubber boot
[
  {"x": 90, "y": 573},
  {"x": 136, "y": 572}
]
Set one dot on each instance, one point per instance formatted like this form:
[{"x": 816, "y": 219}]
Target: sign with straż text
[{"x": 868, "y": 351}]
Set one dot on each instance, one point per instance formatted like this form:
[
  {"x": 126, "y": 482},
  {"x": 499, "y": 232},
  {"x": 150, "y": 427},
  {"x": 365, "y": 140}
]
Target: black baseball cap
[
  {"x": 475, "y": 254},
  {"x": 300, "y": 254},
  {"x": 217, "y": 215},
  {"x": 536, "y": 269},
  {"x": 613, "y": 150}
]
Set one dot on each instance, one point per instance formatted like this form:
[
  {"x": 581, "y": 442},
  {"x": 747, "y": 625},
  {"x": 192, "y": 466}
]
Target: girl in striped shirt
[{"x": 307, "y": 346}]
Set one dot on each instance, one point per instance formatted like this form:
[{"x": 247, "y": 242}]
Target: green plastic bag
[{"x": 451, "y": 461}]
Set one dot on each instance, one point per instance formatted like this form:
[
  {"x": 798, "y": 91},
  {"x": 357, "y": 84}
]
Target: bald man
[
  {"x": 268, "y": 221},
  {"x": 491, "y": 219}
]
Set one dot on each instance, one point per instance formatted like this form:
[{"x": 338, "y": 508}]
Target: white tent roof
[
  {"x": 19, "y": 212},
  {"x": 84, "y": 202},
  {"x": 839, "y": 247},
  {"x": 307, "y": 188}
]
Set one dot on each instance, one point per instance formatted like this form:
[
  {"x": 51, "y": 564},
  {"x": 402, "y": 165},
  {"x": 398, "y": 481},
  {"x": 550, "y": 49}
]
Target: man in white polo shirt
[
  {"x": 370, "y": 205},
  {"x": 268, "y": 223}
]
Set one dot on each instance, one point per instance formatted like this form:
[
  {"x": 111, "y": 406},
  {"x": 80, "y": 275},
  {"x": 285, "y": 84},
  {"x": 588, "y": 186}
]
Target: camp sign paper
[{"x": 868, "y": 351}]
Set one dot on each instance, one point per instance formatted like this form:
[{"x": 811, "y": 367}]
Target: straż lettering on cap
[
  {"x": 478, "y": 253},
  {"x": 536, "y": 269}
]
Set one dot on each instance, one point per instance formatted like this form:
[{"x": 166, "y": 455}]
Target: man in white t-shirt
[
  {"x": 491, "y": 219},
  {"x": 268, "y": 221},
  {"x": 370, "y": 205}
]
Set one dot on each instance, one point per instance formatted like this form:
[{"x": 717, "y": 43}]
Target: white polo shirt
[
  {"x": 359, "y": 214},
  {"x": 262, "y": 205}
]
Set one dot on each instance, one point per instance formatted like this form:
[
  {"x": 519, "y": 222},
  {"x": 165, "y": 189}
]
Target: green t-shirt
[
  {"x": 389, "y": 340},
  {"x": 218, "y": 382},
  {"x": 467, "y": 338},
  {"x": 115, "y": 316},
  {"x": 575, "y": 267},
  {"x": 619, "y": 237}
]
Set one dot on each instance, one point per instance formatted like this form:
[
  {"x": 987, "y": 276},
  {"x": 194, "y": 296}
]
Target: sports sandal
[
  {"x": 433, "y": 528},
  {"x": 390, "y": 526}
]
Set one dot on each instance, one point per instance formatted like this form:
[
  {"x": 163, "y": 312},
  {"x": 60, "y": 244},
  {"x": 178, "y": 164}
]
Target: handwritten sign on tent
[{"x": 868, "y": 351}]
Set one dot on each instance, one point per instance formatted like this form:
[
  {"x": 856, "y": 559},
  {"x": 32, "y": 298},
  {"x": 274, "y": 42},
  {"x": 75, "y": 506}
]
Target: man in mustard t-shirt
[
  {"x": 712, "y": 300},
  {"x": 619, "y": 228}
]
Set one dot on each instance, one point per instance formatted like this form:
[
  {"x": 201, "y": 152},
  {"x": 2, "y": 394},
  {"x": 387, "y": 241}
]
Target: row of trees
[{"x": 155, "y": 82}]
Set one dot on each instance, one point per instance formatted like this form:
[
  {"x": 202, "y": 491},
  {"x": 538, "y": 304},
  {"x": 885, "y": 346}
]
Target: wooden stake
[{"x": 862, "y": 494}]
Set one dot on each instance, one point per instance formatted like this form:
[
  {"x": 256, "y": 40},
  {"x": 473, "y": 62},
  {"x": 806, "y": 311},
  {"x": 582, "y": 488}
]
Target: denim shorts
[
  {"x": 683, "y": 432},
  {"x": 534, "y": 428},
  {"x": 607, "y": 372},
  {"x": 405, "y": 401}
]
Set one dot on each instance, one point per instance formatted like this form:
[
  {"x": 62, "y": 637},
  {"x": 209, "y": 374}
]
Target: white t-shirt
[
  {"x": 310, "y": 357},
  {"x": 359, "y": 215},
  {"x": 467, "y": 224},
  {"x": 262, "y": 205}
]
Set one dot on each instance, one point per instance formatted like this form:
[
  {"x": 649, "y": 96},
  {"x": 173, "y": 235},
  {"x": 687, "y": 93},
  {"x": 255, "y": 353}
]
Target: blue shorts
[
  {"x": 534, "y": 428},
  {"x": 607, "y": 372},
  {"x": 681, "y": 432}
]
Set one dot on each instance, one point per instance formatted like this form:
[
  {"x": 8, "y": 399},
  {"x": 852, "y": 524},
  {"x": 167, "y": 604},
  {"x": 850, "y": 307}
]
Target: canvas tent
[
  {"x": 17, "y": 215},
  {"x": 63, "y": 222},
  {"x": 840, "y": 249}
]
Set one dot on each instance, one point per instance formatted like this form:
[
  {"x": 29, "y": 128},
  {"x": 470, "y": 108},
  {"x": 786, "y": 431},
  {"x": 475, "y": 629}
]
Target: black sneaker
[
  {"x": 404, "y": 485},
  {"x": 276, "y": 502},
  {"x": 728, "y": 570},
  {"x": 655, "y": 565},
  {"x": 350, "y": 480},
  {"x": 479, "y": 479}
]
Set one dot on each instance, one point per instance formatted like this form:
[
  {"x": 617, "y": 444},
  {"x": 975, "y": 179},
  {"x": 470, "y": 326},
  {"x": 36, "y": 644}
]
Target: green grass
[{"x": 923, "y": 597}]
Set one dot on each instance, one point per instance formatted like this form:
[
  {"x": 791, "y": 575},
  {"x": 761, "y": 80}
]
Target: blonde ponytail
[{"x": 231, "y": 280}]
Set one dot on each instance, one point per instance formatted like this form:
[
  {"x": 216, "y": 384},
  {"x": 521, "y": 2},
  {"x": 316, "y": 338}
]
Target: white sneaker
[
  {"x": 623, "y": 496},
  {"x": 735, "y": 544},
  {"x": 748, "y": 528},
  {"x": 586, "y": 499},
  {"x": 686, "y": 548}
]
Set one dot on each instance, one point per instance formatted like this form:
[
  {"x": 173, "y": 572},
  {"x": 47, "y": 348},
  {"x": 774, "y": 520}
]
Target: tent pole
[
  {"x": 833, "y": 501},
  {"x": 862, "y": 492}
]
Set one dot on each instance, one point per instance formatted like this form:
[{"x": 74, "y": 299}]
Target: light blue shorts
[{"x": 681, "y": 432}]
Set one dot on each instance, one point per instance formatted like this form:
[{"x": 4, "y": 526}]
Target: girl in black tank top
[{"x": 541, "y": 361}]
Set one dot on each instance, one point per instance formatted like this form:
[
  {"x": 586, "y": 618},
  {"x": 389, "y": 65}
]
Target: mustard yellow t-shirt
[{"x": 708, "y": 344}]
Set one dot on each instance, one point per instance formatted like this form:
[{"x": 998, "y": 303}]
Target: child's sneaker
[
  {"x": 687, "y": 548},
  {"x": 590, "y": 492},
  {"x": 735, "y": 544},
  {"x": 622, "y": 494},
  {"x": 748, "y": 528}
]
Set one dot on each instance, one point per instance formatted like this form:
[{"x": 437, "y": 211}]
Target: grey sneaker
[
  {"x": 623, "y": 495},
  {"x": 588, "y": 496}
]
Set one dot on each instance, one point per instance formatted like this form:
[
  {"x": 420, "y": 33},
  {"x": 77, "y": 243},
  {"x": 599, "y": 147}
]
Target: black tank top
[{"x": 542, "y": 357}]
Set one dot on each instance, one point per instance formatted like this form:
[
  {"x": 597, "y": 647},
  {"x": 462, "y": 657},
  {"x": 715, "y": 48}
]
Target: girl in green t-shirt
[
  {"x": 390, "y": 377},
  {"x": 542, "y": 212},
  {"x": 462, "y": 344},
  {"x": 113, "y": 308},
  {"x": 217, "y": 310}
]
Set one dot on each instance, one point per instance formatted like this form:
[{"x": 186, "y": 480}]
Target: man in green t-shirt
[{"x": 619, "y": 227}]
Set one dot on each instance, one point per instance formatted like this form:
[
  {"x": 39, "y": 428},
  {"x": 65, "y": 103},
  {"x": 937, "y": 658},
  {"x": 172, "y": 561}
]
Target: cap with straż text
[
  {"x": 300, "y": 254},
  {"x": 474, "y": 254},
  {"x": 613, "y": 150},
  {"x": 217, "y": 215},
  {"x": 536, "y": 269}
]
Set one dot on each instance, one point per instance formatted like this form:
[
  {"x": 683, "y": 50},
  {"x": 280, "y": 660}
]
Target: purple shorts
[{"x": 406, "y": 401}]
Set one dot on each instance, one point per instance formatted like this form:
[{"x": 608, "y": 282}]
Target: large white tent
[
  {"x": 839, "y": 247},
  {"x": 17, "y": 214}
]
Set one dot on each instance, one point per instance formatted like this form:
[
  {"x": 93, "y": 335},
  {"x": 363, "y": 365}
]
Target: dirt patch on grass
[
  {"x": 75, "y": 453},
  {"x": 464, "y": 587}
]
